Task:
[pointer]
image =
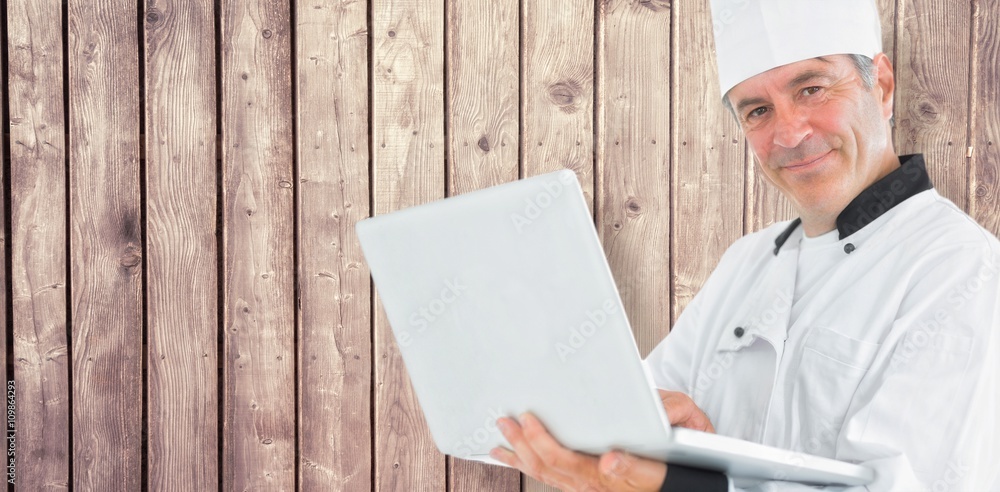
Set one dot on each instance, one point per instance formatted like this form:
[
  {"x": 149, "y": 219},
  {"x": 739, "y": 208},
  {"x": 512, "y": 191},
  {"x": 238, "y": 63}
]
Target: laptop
[{"x": 501, "y": 301}]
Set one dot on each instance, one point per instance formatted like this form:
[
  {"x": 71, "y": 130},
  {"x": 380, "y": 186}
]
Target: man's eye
[
  {"x": 757, "y": 112},
  {"x": 808, "y": 91}
]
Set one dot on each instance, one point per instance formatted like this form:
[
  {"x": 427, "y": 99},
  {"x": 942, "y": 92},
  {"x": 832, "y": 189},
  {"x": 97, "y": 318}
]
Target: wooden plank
[
  {"x": 985, "y": 170},
  {"x": 557, "y": 94},
  {"x": 4, "y": 240},
  {"x": 708, "y": 158},
  {"x": 932, "y": 81},
  {"x": 558, "y": 89},
  {"x": 483, "y": 80},
  {"x": 335, "y": 309},
  {"x": 765, "y": 204},
  {"x": 181, "y": 244},
  {"x": 887, "y": 14},
  {"x": 105, "y": 244},
  {"x": 408, "y": 155},
  {"x": 482, "y": 117},
  {"x": 38, "y": 243},
  {"x": 258, "y": 179},
  {"x": 634, "y": 167}
]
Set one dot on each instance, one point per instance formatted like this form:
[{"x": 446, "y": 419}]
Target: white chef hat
[{"x": 754, "y": 36}]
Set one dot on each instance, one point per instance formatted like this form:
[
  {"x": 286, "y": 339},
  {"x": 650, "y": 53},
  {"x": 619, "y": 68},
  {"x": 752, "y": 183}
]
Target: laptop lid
[{"x": 501, "y": 301}]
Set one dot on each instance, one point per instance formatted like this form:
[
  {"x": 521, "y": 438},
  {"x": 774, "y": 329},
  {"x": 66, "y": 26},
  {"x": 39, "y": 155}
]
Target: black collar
[{"x": 908, "y": 180}]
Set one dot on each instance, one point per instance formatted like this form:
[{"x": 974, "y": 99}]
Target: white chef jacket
[{"x": 893, "y": 360}]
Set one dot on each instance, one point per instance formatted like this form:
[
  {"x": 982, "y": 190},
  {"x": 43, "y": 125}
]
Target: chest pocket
[{"x": 830, "y": 370}]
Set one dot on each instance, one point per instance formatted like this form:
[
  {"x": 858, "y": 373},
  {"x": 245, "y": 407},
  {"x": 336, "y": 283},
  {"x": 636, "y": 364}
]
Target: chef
[{"x": 866, "y": 330}]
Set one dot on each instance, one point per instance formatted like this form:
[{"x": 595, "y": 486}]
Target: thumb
[{"x": 622, "y": 471}]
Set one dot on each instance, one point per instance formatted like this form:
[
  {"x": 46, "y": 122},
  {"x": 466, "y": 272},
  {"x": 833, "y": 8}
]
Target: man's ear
[{"x": 885, "y": 82}]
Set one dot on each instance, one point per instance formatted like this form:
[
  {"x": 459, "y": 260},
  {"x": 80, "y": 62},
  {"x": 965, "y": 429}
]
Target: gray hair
[
  {"x": 864, "y": 65},
  {"x": 866, "y": 69}
]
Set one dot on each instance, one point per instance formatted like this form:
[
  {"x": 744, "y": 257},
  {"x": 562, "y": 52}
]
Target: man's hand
[
  {"x": 682, "y": 412},
  {"x": 536, "y": 453}
]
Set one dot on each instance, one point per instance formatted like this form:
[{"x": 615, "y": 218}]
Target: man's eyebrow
[
  {"x": 801, "y": 79},
  {"x": 753, "y": 101},
  {"x": 806, "y": 76}
]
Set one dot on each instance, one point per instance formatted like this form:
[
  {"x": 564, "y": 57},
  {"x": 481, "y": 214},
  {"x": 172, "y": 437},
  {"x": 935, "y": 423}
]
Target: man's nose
[{"x": 791, "y": 127}]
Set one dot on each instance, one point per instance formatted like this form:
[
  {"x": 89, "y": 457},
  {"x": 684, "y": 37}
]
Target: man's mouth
[{"x": 807, "y": 163}]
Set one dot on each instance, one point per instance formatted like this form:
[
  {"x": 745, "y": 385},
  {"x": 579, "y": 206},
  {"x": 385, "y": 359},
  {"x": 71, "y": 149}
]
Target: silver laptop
[{"x": 501, "y": 302}]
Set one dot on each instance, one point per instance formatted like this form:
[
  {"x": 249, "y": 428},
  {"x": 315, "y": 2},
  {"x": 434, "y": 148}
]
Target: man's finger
[
  {"x": 530, "y": 463},
  {"x": 550, "y": 452},
  {"x": 682, "y": 411},
  {"x": 506, "y": 457}
]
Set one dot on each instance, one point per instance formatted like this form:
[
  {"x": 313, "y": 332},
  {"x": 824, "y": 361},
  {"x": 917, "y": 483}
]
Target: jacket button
[
  {"x": 849, "y": 248},
  {"x": 739, "y": 331}
]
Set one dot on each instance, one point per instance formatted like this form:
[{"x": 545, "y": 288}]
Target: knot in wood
[
  {"x": 655, "y": 5},
  {"x": 266, "y": 33},
  {"x": 484, "y": 144},
  {"x": 927, "y": 111},
  {"x": 153, "y": 17},
  {"x": 131, "y": 258},
  {"x": 564, "y": 95},
  {"x": 632, "y": 207}
]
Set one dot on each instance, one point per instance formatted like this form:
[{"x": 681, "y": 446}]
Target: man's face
[{"x": 818, "y": 133}]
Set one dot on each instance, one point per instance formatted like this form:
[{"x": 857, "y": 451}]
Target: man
[{"x": 867, "y": 330}]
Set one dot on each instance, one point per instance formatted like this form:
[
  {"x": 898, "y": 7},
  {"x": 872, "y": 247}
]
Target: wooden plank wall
[
  {"x": 106, "y": 246},
  {"x": 182, "y": 304},
  {"x": 39, "y": 242},
  {"x": 186, "y": 305}
]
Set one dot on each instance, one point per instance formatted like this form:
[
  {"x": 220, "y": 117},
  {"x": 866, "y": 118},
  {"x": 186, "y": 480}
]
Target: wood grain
[
  {"x": 932, "y": 80},
  {"x": 4, "y": 240},
  {"x": 407, "y": 74},
  {"x": 258, "y": 179},
  {"x": 887, "y": 14},
  {"x": 335, "y": 309},
  {"x": 708, "y": 159},
  {"x": 106, "y": 244},
  {"x": 483, "y": 79},
  {"x": 985, "y": 171},
  {"x": 38, "y": 244},
  {"x": 483, "y": 83},
  {"x": 634, "y": 168},
  {"x": 181, "y": 245},
  {"x": 557, "y": 89}
]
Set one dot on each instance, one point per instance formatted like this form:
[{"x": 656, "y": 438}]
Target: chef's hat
[{"x": 754, "y": 36}]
